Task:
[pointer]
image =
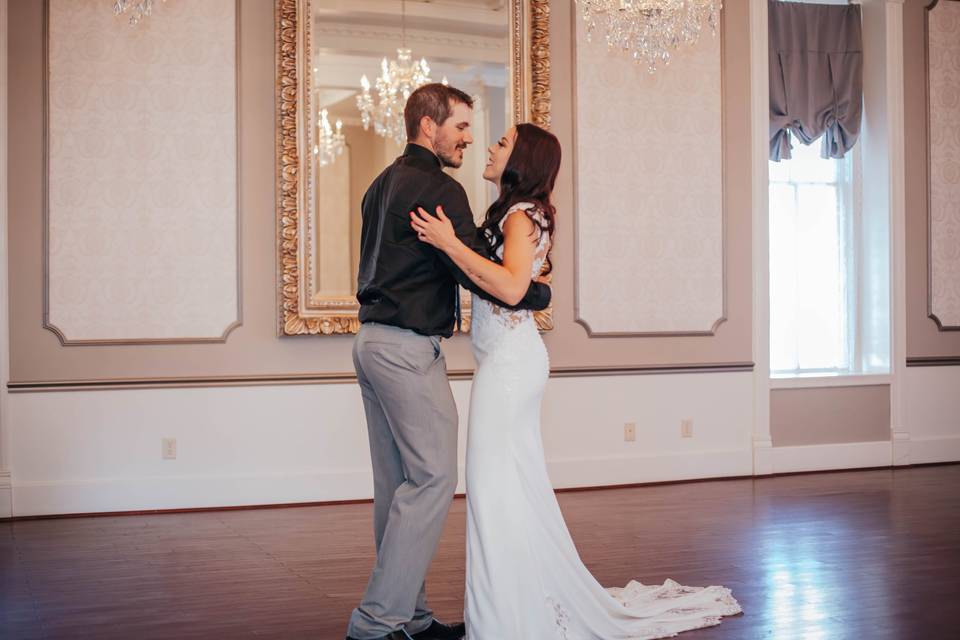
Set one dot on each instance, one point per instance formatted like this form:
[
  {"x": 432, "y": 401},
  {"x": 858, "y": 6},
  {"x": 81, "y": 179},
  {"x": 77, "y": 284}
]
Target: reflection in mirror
[{"x": 464, "y": 42}]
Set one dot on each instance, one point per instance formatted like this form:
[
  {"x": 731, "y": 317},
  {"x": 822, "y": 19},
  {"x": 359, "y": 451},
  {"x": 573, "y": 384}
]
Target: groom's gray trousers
[{"x": 412, "y": 423}]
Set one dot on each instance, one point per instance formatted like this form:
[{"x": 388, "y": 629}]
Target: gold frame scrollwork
[{"x": 530, "y": 96}]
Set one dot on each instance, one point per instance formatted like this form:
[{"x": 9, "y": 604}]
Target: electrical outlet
[
  {"x": 168, "y": 448},
  {"x": 686, "y": 428},
  {"x": 629, "y": 431}
]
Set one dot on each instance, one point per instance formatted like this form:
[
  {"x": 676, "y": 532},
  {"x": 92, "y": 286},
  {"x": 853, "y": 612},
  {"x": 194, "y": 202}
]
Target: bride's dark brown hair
[{"x": 529, "y": 176}]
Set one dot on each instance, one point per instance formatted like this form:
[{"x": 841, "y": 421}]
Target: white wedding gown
[{"x": 525, "y": 580}]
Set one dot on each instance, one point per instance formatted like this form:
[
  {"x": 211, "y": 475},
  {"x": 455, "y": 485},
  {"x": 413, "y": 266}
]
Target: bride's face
[{"x": 497, "y": 155}]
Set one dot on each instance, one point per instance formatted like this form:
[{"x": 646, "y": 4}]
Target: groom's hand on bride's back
[{"x": 457, "y": 207}]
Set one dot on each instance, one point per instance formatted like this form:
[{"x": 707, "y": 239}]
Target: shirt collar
[{"x": 419, "y": 152}]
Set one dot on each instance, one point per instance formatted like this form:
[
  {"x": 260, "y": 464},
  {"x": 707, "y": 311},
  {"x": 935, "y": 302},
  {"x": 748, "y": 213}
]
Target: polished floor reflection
[{"x": 855, "y": 555}]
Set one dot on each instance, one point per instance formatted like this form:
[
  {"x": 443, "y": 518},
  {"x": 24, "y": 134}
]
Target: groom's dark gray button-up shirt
[{"x": 405, "y": 282}]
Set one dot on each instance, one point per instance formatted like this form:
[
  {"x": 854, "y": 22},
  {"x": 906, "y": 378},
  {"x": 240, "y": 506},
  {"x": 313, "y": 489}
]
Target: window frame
[{"x": 848, "y": 184}]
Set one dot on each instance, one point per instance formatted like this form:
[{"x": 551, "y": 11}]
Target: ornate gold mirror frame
[{"x": 529, "y": 73}]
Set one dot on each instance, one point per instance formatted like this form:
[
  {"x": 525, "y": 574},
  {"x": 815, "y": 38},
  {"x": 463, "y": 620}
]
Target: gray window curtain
[{"x": 816, "y": 76}]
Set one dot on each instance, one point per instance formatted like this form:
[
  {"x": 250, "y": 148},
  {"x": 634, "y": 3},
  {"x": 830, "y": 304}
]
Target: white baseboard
[
  {"x": 901, "y": 449},
  {"x": 762, "y": 459},
  {"x": 658, "y": 467},
  {"x": 825, "y": 457},
  {"x": 185, "y": 492},
  {"x": 6, "y": 495},
  {"x": 188, "y": 492},
  {"x": 926, "y": 449}
]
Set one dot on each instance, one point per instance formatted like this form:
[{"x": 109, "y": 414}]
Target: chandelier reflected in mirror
[
  {"x": 138, "y": 9},
  {"x": 650, "y": 30},
  {"x": 330, "y": 142},
  {"x": 398, "y": 79}
]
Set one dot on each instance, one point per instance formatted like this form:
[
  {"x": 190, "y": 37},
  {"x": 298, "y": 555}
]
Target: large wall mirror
[{"x": 334, "y": 136}]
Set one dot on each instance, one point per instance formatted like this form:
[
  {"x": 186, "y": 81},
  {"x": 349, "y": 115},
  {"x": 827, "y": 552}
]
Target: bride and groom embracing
[{"x": 525, "y": 580}]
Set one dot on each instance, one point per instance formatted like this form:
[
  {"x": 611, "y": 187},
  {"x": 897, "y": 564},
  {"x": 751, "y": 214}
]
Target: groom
[{"x": 409, "y": 300}]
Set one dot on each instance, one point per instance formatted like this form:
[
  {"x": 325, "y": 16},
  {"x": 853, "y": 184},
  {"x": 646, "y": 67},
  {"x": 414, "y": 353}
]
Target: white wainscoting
[
  {"x": 933, "y": 414},
  {"x": 142, "y": 172},
  {"x": 930, "y": 431},
  {"x": 825, "y": 457},
  {"x": 649, "y": 189},
  {"x": 94, "y": 451}
]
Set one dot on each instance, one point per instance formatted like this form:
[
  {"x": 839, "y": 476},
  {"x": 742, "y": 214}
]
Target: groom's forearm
[
  {"x": 536, "y": 297},
  {"x": 457, "y": 208}
]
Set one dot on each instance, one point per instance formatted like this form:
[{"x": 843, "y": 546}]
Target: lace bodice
[{"x": 491, "y": 320}]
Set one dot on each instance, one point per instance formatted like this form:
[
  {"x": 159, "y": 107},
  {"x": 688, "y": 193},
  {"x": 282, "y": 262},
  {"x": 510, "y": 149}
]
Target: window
[{"x": 814, "y": 254}]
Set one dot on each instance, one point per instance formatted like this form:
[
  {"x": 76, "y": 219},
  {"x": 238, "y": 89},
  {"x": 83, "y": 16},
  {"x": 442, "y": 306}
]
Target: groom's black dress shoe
[
  {"x": 399, "y": 634},
  {"x": 440, "y": 631}
]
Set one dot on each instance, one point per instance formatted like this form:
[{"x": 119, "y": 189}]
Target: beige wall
[
  {"x": 142, "y": 204},
  {"x": 657, "y": 238},
  {"x": 829, "y": 415},
  {"x": 732, "y": 342},
  {"x": 924, "y": 340},
  {"x": 72, "y": 452},
  {"x": 254, "y": 348}
]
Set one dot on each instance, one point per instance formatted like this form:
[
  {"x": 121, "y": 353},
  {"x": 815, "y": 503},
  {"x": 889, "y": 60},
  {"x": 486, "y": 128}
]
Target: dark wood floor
[{"x": 861, "y": 555}]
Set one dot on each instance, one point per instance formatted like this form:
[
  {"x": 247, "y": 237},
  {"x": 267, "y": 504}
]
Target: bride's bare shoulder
[{"x": 519, "y": 224}]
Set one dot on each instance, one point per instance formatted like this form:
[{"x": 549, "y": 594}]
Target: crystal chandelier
[
  {"x": 398, "y": 79},
  {"x": 138, "y": 9},
  {"x": 650, "y": 29},
  {"x": 330, "y": 143}
]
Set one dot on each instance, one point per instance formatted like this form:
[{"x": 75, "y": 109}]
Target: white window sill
[{"x": 816, "y": 381}]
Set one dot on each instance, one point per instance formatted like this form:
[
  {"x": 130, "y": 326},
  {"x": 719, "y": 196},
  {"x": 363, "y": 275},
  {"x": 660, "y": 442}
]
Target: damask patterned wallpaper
[
  {"x": 944, "y": 105},
  {"x": 649, "y": 189},
  {"x": 254, "y": 349},
  {"x": 142, "y": 171}
]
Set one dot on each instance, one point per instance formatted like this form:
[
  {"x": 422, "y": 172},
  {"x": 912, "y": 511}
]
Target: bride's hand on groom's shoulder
[{"x": 435, "y": 230}]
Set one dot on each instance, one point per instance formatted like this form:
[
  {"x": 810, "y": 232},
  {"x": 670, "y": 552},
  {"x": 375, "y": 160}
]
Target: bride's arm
[{"x": 509, "y": 281}]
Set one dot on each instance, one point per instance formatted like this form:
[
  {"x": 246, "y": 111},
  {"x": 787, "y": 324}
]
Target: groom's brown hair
[{"x": 433, "y": 100}]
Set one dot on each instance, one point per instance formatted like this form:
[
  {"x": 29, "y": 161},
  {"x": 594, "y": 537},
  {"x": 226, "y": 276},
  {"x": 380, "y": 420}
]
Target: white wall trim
[
  {"x": 934, "y": 416},
  {"x": 6, "y": 495},
  {"x": 818, "y": 382},
  {"x": 902, "y": 449},
  {"x": 828, "y": 457},
  {"x": 929, "y": 449},
  {"x": 898, "y": 225},
  {"x": 99, "y": 495},
  {"x": 655, "y": 467},
  {"x": 211, "y": 491},
  {"x": 760, "y": 136},
  {"x": 100, "y": 451},
  {"x": 189, "y": 491}
]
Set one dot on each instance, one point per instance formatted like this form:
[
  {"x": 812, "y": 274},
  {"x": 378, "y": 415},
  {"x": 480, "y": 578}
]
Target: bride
[{"x": 525, "y": 580}]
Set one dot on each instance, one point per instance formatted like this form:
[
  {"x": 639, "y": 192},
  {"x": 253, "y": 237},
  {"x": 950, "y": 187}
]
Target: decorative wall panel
[
  {"x": 141, "y": 237},
  {"x": 649, "y": 191},
  {"x": 943, "y": 75}
]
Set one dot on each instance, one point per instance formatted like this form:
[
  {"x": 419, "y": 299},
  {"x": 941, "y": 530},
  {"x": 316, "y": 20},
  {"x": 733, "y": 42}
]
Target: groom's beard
[{"x": 450, "y": 156}]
